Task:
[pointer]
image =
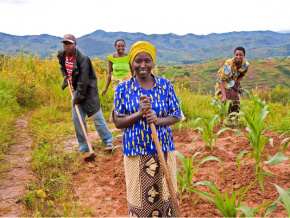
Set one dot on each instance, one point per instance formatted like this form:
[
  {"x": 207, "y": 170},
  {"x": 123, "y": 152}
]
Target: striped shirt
[{"x": 69, "y": 67}]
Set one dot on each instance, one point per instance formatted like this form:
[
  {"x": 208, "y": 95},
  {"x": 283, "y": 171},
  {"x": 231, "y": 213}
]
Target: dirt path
[
  {"x": 97, "y": 184},
  {"x": 17, "y": 174}
]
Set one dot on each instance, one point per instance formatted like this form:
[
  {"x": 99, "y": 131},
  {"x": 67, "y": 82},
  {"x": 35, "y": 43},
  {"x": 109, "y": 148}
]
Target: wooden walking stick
[
  {"x": 165, "y": 170},
  {"x": 92, "y": 153}
]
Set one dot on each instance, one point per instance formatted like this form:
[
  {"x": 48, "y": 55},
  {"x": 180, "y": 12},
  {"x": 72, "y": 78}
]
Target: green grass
[
  {"x": 9, "y": 111},
  {"x": 50, "y": 192},
  {"x": 29, "y": 84}
]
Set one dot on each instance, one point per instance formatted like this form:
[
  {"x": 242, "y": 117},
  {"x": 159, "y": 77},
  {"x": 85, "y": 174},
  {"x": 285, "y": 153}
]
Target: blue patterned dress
[{"x": 138, "y": 139}]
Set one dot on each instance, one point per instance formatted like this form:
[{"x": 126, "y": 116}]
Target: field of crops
[
  {"x": 221, "y": 171},
  {"x": 266, "y": 73}
]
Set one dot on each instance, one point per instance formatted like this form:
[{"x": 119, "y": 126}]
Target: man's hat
[{"x": 69, "y": 38}]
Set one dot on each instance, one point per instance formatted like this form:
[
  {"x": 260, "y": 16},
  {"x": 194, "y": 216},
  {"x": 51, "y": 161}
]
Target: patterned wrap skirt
[
  {"x": 116, "y": 82},
  {"x": 147, "y": 190},
  {"x": 231, "y": 94}
]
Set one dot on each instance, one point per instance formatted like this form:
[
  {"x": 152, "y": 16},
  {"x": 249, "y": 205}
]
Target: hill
[
  {"x": 189, "y": 48},
  {"x": 263, "y": 73}
]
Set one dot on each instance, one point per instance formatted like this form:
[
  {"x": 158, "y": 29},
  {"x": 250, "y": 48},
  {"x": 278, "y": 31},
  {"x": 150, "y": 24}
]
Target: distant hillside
[
  {"x": 188, "y": 48},
  {"x": 262, "y": 73}
]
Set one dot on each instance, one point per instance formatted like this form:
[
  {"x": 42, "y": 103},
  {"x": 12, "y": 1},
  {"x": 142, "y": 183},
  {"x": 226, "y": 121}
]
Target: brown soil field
[{"x": 100, "y": 185}]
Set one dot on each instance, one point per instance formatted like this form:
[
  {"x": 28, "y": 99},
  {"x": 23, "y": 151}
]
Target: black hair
[
  {"x": 240, "y": 48},
  {"x": 118, "y": 40}
]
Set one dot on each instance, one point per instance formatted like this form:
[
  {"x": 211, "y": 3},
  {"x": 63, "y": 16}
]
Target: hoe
[{"x": 92, "y": 153}]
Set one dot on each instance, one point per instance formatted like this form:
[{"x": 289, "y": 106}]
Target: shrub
[{"x": 276, "y": 95}]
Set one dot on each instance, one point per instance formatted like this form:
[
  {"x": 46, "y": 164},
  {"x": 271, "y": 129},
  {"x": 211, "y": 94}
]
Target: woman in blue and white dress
[{"x": 142, "y": 100}]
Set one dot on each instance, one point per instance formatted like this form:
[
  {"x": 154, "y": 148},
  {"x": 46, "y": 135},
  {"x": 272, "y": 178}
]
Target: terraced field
[{"x": 262, "y": 73}]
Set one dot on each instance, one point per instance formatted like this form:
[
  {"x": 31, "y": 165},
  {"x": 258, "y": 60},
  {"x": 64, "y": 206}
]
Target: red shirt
[{"x": 69, "y": 67}]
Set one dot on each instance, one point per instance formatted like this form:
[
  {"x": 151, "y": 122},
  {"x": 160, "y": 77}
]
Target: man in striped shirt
[{"x": 78, "y": 68}]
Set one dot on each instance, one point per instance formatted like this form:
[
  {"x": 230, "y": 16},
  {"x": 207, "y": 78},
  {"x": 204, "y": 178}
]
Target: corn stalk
[
  {"x": 184, "y": 178},
  {"x": 284, "y": 195},
  {"x": 255, "y": 129},
  {"x": 285, "y": 142},
  {"x": 221, "y": 110},
  {"x": 229, "y": 206},
  {"x": 255, "y": 120},
  {"x": 206, "y": 133}
]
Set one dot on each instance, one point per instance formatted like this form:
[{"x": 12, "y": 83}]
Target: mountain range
[{"x": 189, "y": 48}]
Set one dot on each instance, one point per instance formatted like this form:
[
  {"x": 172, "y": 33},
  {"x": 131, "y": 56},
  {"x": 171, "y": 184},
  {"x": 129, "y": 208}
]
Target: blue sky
[{"x": 201, "y": 17}]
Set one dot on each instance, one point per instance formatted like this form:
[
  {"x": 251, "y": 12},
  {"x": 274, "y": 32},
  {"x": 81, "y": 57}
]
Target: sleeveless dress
[{"x": 121, "y": 69}]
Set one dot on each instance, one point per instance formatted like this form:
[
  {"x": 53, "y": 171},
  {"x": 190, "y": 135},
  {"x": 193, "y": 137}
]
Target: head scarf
[{"x": 142, "y": 46}]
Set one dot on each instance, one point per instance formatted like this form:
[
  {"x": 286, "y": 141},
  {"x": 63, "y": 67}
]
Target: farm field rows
[
  {"x": 57, "y": 181},
  {"x": 106, "y": 195}
]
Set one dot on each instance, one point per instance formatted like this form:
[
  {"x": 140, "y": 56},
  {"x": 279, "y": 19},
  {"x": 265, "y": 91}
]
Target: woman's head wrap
[{"x": 142, "y": 46}]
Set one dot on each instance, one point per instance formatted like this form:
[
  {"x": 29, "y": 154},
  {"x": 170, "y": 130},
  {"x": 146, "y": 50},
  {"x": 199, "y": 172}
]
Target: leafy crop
[
  {"x": 222, "y": 110},
  {"x": 285, "y": 141},
  {"x": 284, "y": 195},
  {"x": 255, "y": 127},
  {"x": 229, "y": 204},
  {"x": 185, "y": 177},
  {"x": 207, "y": 134}
]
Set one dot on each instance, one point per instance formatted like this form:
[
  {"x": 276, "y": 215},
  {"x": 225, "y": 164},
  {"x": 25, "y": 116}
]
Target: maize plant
[
  {"x": 284, "y": 195},
  {"x": 285, "y": 142},
  {"x": 229, "y": 205},
  {"x": 255, "y": 130},
  {"x": 257, "y": 105},
  {"x": 255, "y": 135},
  {"x": 278, "y": 158},
  {"x": 184, "y": 178},
  {"x": 221, "y": 110},
  {"x": 207, "y": 134}
]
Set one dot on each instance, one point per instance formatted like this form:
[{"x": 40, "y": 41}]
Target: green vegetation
[
  {"x": 184, "y": 178},
  {"x": 221, "y": 110},
  {"x": 207, "y": 133},
  {"x": 283, "y": 69},
  {"x": 275, "y": 95},
  {"x": 9, "y": 111},
  {"x": 255, "y": 123},
  {"x": 285, "y": 142},
  {"x": 284, "y": 196},
  {"x": 229, "y": 206},
  {"x": 262, "y": 74},
  {"x": 31, "y": 86}
]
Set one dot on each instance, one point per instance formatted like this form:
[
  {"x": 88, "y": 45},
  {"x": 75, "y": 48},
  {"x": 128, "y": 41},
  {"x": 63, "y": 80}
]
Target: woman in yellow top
[
  {"x": 229, "y": 77},
  {"x": 118, "y": 66}
]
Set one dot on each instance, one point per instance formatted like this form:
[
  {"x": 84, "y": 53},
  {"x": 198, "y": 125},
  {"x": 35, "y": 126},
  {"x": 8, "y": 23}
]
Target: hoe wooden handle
[
  {"x": 165, "y": 170},
  {"x": 81, "y": 121}
]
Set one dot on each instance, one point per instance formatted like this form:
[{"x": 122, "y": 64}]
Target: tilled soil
[{"x": 101, "y": 186}]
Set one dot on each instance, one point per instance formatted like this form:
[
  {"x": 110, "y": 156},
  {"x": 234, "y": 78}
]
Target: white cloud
[{"x": 58, "y": 17}]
